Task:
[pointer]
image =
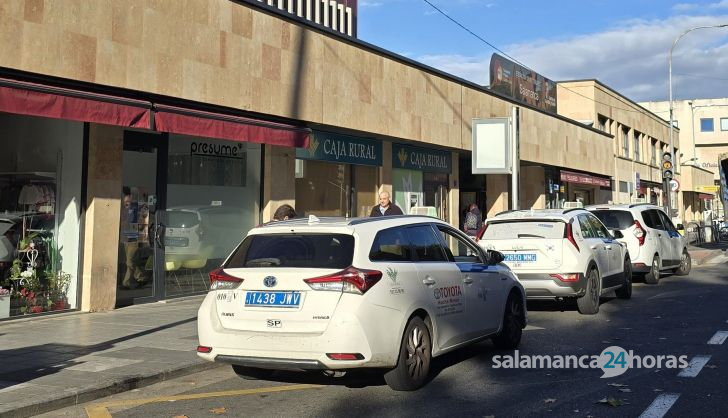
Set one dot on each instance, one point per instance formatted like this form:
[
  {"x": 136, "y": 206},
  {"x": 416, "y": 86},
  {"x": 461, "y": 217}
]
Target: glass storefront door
[{"x": 139, "y": 202}]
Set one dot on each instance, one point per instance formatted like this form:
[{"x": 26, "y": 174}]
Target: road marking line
[
  {"x": 659, "y": 407},
  {"x": 694, "y": 367},
  {"x": 100, "y": 410},
  {"x": 718, "y": 338}
]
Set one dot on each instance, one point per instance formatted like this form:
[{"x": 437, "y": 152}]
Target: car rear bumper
[
  {"x": 296, "y": 350},
  {"x": 543, "y": 286},
  {"x": 271, "y": 363}
]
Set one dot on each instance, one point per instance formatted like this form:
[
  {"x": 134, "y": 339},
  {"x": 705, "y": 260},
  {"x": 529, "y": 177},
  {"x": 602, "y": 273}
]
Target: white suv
[
  {"x": 653, "y": 242},
  {"x": 561, "y": 253},
  {"x": 334, "y": 294}
]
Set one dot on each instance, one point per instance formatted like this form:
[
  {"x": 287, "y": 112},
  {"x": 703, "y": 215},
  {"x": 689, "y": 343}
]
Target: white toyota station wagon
[{"x": 333, "y": 294}]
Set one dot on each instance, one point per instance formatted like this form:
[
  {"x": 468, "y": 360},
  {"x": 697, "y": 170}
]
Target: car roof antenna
[{"x": 313, "y": 219}]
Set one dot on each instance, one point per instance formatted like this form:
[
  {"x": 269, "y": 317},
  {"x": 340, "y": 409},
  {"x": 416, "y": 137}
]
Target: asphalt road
[{"x": 679, "y": 316}]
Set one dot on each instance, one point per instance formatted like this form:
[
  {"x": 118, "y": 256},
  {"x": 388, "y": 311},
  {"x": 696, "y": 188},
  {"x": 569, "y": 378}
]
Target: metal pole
[
  {"x": 692, "y": 129},
  {"x": 672, "y": 148},
  {"x": 515, "y": 204}
]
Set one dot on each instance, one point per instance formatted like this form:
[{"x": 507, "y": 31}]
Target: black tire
[
  {"x": 625, "y": 292},
  {"x": 513, "y": 322},
  {"x": 415, "y": 356},
  {"x": 252, "y": 373},
  {"x": 589, "y": 303},
  {"x": 653, "y": 276},
  {"x": 685, "y": 264}
]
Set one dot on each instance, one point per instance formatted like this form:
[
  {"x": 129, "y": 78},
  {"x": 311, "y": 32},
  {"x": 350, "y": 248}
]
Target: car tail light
[
  {"x": 350, "y": 280},
  {"x": 203, "y": 349},
  {"x": 221, "y": 280},
  {"x": 639, "y": 232},
  {"x": 570, "y": 235},
  {"x": 345, "y": 356},
  {"x": 480, "y": 234},
  {"x": 571, "y": 277}
]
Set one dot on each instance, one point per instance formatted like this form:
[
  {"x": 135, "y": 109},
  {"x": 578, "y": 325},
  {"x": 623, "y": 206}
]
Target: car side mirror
[
  {"x": 617, "y": 233},
  {"x": 495, "y": 257}
]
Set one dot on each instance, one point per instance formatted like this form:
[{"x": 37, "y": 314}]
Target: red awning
[
  {"x": 571, "y": 177},
  {"x": 53, "y": 102},
  {"x": 215, "y": 125}
]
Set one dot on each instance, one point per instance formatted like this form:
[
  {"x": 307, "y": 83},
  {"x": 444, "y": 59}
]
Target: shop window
[
  {"x": 706, "y": 125},
  {"x": 724, "y": 124},
  {"x": 40, "y": 182},
  {"x": 209, "y": 163}
]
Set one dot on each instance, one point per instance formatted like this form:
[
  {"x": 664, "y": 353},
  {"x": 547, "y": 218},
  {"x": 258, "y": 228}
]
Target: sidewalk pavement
[
  {"x": 58, "y": 361},
  {"x": 708, "y": 253}
]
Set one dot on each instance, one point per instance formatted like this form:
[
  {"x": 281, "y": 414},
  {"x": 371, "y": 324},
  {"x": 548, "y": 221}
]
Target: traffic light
[{"x": 666, "y": 166}]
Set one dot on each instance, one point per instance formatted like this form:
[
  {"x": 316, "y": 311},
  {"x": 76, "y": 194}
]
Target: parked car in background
[
  {"x": 334, "y": 294},
  {"x": 198, "y": 235},
  {"x": 561, "y": 253},
  {"x": 653, "y": 241}
]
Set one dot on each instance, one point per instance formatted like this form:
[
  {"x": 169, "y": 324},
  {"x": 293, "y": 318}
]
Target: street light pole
[{"x": 672, "y": 148}]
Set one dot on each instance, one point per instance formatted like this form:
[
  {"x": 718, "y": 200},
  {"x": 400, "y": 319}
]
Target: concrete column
[
  {"x": 279, "y": 179},
  {"x": 497, "y": 196},
  {"x": 385, "y": 171},
  {"x": 453, "y": 200},
  {"x": 533, "y": 187},
  {"x": 101, "y": 229}
]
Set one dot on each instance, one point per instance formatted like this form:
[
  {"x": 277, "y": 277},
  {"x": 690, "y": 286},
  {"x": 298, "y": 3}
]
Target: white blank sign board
[{"x": 491, "y": 146}]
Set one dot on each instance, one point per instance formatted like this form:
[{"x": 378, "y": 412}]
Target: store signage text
[
  {"x": 217, "y": 150},
  {"x": 327, "y": 146},
  {"x": 422, "y": 159},
  {"x": 578, "y": 178}
]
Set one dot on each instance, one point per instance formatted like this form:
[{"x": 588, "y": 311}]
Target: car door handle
[
  {"x": 467, "y": 280},
  {"x": 594, "y": 247},
  {"x": 609, "y": 247},
  {"x": 429, "y": 281}
]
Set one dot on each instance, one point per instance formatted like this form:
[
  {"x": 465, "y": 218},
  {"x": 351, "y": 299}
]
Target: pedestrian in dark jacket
[{"x": 385, "y": 207}]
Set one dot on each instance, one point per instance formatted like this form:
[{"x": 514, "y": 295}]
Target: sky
[{"x": 624, "y": 44}]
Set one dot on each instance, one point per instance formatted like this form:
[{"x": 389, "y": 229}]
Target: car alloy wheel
[
  {"x": 654, "y": 274},
  {"x": 589, "y": 303},
  {"x": 513, "y": 322},
  {"x": 416, "y": 356}
]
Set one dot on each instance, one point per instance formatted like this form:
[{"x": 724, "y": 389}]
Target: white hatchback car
[
  {"x": 653, "y": 242},
  {"x": 561, "y": 253},
  {"x": 333, "y": 294}
]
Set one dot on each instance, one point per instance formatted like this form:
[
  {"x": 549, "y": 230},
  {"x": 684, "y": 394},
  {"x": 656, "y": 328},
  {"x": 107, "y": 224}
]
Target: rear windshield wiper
[{"x": 530, "y": 236}]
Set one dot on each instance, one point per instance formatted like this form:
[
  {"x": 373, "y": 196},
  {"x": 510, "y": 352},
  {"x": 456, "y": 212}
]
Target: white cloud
[
  {"x": 684, "y": 7},
  {"x": 720, "y": 5},
  {"x": 631, "y": 59},
  {"x": 369, "y": 3}
]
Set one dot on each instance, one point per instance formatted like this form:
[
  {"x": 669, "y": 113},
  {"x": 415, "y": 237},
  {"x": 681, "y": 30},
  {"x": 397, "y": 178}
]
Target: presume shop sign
[{"x": 578, "y": 178}]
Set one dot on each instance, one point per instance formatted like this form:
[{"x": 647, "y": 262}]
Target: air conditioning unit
[{"x": 573, "y": 205}]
